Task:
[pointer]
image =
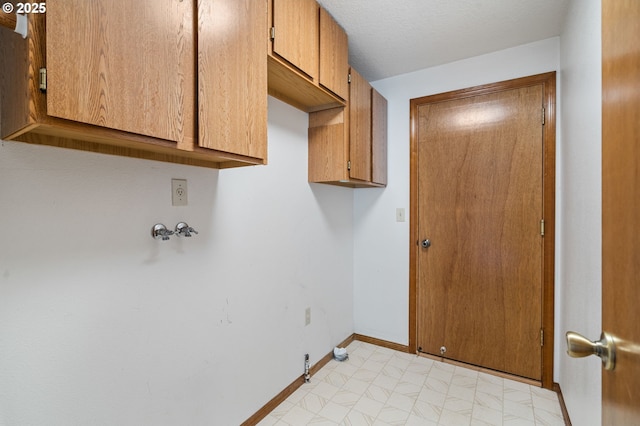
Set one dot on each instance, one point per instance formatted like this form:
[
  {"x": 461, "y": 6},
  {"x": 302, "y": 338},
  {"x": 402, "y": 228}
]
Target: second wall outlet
[
  {"x": 178, "y": 192},
  {"x": 307, "y": 316}
]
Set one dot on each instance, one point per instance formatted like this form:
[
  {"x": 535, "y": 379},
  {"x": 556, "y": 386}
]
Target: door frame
[{"x": 548, "y": 81}]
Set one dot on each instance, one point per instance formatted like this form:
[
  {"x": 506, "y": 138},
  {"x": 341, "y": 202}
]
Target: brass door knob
[{"x": 579, "y": 346}]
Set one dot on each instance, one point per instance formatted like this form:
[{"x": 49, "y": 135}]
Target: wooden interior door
[
  {"x": 123, "y": 65},
  {"x": 621, "y": 208},
  {"x": 480, "y": 204}
]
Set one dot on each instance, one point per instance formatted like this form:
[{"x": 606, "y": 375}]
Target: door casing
[{"x": 548, "y": 80}]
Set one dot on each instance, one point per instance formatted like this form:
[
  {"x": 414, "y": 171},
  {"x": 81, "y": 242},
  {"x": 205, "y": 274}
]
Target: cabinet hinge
[
  {"x": 543, "y": 114},
  {"x": 349, "y": 78},
  {"x": 349, "y": 165},
  {"x": 542, "y": 227},
  {"x": 273, "y": 33},
  {"x": 43, "y": 80},
  {"x": 541, "y": 337}
]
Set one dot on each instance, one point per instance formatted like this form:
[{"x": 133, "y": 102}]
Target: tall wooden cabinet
[
  {"x": 348, "y": 146},
  {"x": 158, "y": 87},
  {"x": 308, "y": 57}
]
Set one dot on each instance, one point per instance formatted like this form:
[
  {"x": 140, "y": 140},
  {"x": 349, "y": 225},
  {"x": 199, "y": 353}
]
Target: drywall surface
[
  {"x": 381, "y": 252},
  {"x": 102, "y": 325},
  {"x": 581, "y": 215}
]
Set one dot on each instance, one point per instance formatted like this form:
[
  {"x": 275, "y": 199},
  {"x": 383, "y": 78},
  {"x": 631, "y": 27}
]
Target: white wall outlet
[
  {"x": 400, "y": 214},
  {"x": 307, "y": 316},
  {"x": 178, "y": 192}
]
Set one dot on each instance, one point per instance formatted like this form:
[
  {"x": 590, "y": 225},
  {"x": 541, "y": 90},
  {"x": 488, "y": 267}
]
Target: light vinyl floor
[{"x": 379, "y": 386}]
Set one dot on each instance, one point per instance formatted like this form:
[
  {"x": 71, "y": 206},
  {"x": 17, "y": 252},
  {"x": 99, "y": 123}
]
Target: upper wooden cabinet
[
  {"x": 348, "y": 146},
  {"x": 105, "y": 71},
  {"x": 297, "y": 37},
  {"x": 379, "y": 117},
  {"x": 232, "y": 77},
  {"x": 308, "y": 58},
  {"x": 121, "y": 88},
  {"x": 334, "y": 56}
]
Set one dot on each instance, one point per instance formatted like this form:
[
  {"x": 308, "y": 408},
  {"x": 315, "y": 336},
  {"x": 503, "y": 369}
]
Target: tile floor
[{"x": 379, "y": 386}]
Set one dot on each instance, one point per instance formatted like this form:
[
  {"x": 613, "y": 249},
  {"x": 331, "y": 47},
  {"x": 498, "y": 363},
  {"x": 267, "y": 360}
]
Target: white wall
[
  {"x": 580, "y": 224},
  {"x": 100, "y": 324},
  {"x": 381, "y": 245}
]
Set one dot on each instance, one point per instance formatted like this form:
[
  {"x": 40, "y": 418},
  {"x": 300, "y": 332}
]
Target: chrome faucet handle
[
  {"x": 182, "y": 229},
  {"x": 160, "y": 232}
]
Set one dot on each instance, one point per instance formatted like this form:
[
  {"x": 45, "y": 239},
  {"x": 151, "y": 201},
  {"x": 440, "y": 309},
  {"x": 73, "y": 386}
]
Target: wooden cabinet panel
[
  {"x": 355, "y": 135},
  {"x": 328, "y": 153},
  {"x": 232, "y": 76},
  {"x": 299, "y": 47},
  {"x": 360, "y": 127},
  {"x": 378, "y": 138},
  {"x": 96, "y": 101},
  {"x": 334, "y": 56},
  {"x": 297, "y": 33},
  {"x": 123, "y": 65}
]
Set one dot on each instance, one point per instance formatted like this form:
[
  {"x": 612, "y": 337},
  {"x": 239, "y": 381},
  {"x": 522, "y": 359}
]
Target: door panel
[
  {"x": 378, "y": 138},
  {"x": 359, "y": 127},
  {"x": 621, "y": 207},
  {"x": 104, "y": 70},
  {"x": 334, "y": 56},
  {"x": 297, "y": 34},
  {"x": 232, "y": 77},
  {"x": 479, "y": 289}
]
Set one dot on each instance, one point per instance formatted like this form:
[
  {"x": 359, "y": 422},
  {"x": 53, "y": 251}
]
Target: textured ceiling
[{"x": 388, "y": 38}]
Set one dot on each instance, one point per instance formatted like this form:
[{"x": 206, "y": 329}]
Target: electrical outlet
[
  {"x": 307, "y": 316},
  {"x": 178, "y": 192}
]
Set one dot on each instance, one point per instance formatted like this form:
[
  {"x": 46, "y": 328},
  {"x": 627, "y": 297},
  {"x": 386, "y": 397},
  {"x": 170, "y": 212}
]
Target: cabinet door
[
  {"x": 360, "y": 127},
  {"x": 123, "y": 65},
  {"x": 378, "y": 138},
  {"x": 232, "y": 76},
  {"x": 334, "y": 56},
  {"x": 296, "y": 24}
]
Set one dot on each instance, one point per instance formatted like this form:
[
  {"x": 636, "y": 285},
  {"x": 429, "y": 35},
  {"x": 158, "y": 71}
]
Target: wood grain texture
[
  {"x": 24, "y": 113},
  {"x": 8, "y": 20},
  {"x": 359, "y": 127},
  {"x": 232, "y": 76},
  {"x": 23, "y": 105},
  {"x": 131, "y": 67},
  {"x": 480, "y": 202},
  {"x": 334, "y": 56},
  {"x": 291, "y": 86},
  {"x": 378, "y": 138},
  {"x": 297, "y": 38},
  {"x": 328, "y": 146},
  {"x": 333, "y": 141},
  {"x": 621, "y": 207},
  {"x": 114, "y": 142},
  {"x": 547, "y": 81}
]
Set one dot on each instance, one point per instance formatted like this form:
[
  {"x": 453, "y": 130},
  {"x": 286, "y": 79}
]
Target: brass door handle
[{"x": 579, "y": 346}]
